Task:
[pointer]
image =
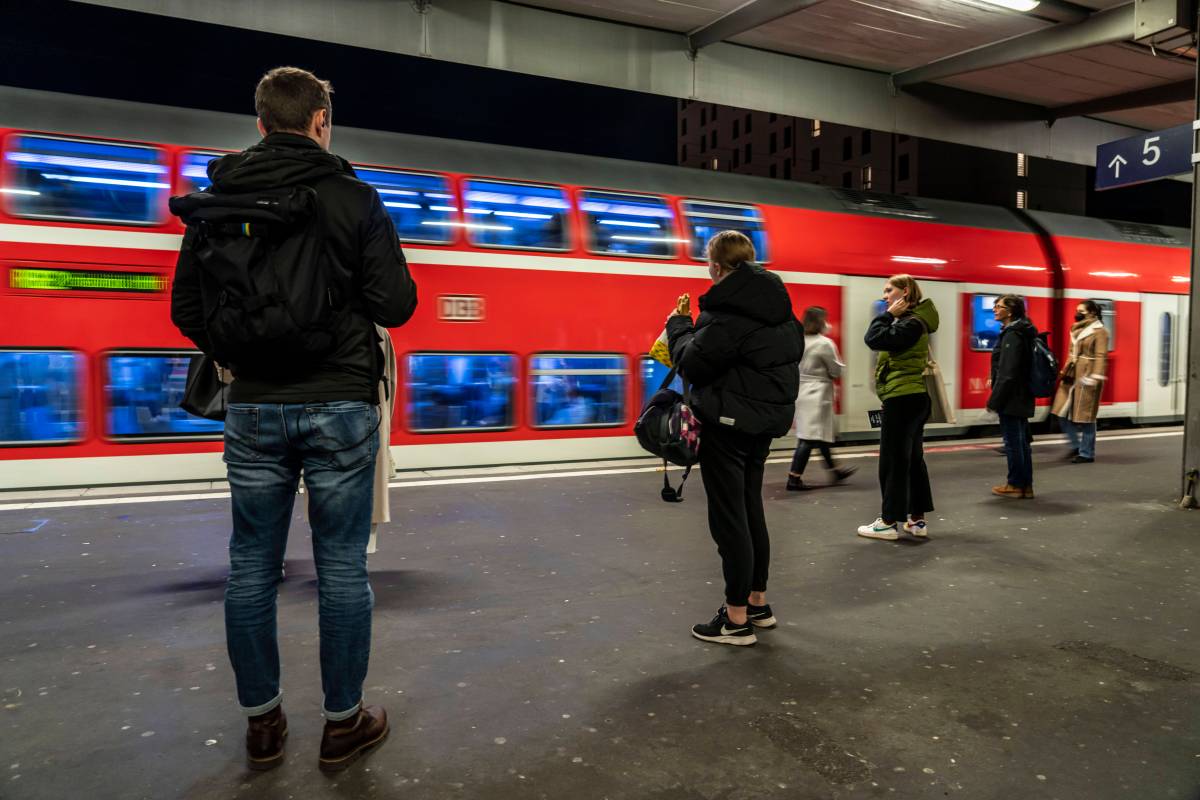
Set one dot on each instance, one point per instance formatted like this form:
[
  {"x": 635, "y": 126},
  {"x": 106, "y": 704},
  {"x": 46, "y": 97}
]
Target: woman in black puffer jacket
[{"x": 742, "y": 358}]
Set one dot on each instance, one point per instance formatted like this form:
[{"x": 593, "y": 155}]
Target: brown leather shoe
[
  {"x": 1008, "y": 490},
  {"x": 348, "y": 739},
  {"x": 264, "y": 739}
]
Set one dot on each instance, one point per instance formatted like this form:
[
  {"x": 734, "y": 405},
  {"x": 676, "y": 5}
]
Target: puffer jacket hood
[
  {"x": 752, "y": 292},
  {"x": 281, "y": 159},
  {"x": 927, "y": 312}
]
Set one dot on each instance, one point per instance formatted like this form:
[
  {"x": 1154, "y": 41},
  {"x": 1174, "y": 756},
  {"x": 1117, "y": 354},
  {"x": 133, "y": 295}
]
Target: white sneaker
[
  {"x": 918, "y": 528},
  {"x": 879, "y": 530}
]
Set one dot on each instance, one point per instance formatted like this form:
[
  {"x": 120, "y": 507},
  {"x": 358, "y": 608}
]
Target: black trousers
[
  {"x": 732, "y": 465},
  {"x": 903, "y": 477},
  {"x": 804, "y": 448}
]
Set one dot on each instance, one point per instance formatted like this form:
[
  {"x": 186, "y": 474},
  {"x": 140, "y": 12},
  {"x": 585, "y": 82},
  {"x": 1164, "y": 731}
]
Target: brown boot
[
  {"x": 1008, "y": 490},
  {"x": 1027, "y": 493},
  {"x": 264, "y": 739},
  {"x": 346, "y": 740}
]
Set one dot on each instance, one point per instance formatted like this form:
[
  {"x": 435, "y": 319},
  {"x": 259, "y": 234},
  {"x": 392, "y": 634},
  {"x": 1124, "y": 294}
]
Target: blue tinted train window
[
  {"x": 705, "y": 220},
  {"x": 72, "y": 179},
  {"x": 421, "y": 206},
  {"x": 653, "y": 373},
  {"x": 985, "y": 330},
  {"x": 460, "y": 391},
  {"x": 630, "y": 225},
  {"x": 515, "y": 215},
  {"x": 575, "y": 391},
  {"x": 39, "y": 397},
  {"x": 142, "y": 398},
  {"x": 193, "y": 172}
]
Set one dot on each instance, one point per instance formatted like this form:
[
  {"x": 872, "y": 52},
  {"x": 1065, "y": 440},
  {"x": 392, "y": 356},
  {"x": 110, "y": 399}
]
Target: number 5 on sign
[{"x": 1147, "y": 147}]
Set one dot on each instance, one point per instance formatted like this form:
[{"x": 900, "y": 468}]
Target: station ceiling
[{"x": 892, "y": 36}]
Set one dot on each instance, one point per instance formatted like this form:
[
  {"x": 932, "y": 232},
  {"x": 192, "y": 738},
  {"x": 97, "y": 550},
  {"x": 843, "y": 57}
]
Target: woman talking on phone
[
  {"x": 742, "y": 359},
  {"x": 901, "y": 336}
]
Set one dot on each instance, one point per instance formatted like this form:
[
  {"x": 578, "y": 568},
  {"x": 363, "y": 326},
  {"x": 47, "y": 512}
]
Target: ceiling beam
[
  {"x": 1103, "y": 27},
  {"x": 1176, "y": 92},
  {"x": 746, "y": 17},
  {"x": 1061, "y": 11}
]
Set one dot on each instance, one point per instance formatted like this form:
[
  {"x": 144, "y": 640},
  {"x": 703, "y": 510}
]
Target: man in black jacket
[
  {"x": 322, "y": 419},
  {"x": 1012, "y": 397},
  {"x": 742, "y": 358}
]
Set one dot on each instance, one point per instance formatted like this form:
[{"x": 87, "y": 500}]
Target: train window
[
  {"x": 85, "y": 181},
  {"x": 193, "y": 172},
  {"x": 653, "y": 372},
  {"x": 573, "y": 390},
  {"x": 628, "y": 225},
  {"x": 985, "y": 330},
  {"x": 421, "y": 206},
  {"x": 39, "y": 397},
  {"x": 1166, "y": 340},
  {"x": 1108, "y": 315},
  {"x": 514, "y": 215},
  {"x": 705, "y": 219},
  {"x": 142, "y": 395},
  {"x": 459, "y": 392}
]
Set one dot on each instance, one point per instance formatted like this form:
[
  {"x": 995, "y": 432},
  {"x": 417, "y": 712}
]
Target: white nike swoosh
[{"x": 726, "y": 632}]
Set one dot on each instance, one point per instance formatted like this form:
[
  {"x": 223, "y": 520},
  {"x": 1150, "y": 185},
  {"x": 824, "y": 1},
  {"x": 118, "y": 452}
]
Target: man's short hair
[
  {"x": 730, "y": 249},
  {"x": 287, "y": 97}
]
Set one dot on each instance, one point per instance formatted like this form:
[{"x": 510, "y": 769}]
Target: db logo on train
[{"x": 460, "y": 307}]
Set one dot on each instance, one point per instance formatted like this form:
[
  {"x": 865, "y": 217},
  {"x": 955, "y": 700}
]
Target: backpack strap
[{"x": 670, "y": 495}]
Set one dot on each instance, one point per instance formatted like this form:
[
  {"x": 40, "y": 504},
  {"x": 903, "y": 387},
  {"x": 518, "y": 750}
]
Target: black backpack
[
  {"x": 270, "y": 303},
  {"x": 668, "y": 428},
  {"x": 1043, "y": 369}
]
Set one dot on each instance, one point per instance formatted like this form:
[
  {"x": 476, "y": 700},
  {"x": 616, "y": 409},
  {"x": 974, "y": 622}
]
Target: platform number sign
[
  {"x": 461, "y": 308},
  {"x": 1145, "y": 157}
]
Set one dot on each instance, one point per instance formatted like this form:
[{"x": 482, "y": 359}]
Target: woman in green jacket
[{"x": 901, "y": 336}]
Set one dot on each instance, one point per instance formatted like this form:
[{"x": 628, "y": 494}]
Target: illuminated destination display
[{"x": 79, "y": 280}]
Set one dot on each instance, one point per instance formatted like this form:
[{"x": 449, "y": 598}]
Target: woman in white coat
[{"x": 819, "y": 368}]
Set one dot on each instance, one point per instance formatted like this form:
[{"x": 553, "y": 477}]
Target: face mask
[{"x": 1080, "y": 316}]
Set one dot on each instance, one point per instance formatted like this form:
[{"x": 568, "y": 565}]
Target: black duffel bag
[{"x": 668, "y": 428}]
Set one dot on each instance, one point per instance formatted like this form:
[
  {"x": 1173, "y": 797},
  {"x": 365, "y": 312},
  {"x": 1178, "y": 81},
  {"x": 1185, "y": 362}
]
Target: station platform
[{"x": 531, "y": 640}]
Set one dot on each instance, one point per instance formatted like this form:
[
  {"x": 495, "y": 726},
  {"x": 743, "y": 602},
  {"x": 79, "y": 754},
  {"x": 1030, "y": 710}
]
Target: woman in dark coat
[{"x": 742, "y": 359}]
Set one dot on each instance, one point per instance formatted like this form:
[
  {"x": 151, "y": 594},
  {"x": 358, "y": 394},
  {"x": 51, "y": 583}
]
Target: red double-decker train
[{"x": 544, "y": 278}]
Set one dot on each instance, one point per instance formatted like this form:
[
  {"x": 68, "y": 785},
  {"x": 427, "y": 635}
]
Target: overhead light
[
  {"x": 1114, "y": 274},
  {"x": 918, "y": 260},
  {"x": 30, "y": 192},
  {"x": 1021, "y": 267},
  {"x": 1174, "y": 278},
  {"x": 621, "y": 238}
]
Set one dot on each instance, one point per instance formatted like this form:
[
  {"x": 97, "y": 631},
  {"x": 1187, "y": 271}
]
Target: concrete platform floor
[{"x": 531, "y": 641}]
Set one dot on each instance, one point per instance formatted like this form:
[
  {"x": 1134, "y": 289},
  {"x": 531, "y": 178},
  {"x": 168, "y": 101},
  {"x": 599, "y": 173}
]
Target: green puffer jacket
[{"x": 903, "y": 346}]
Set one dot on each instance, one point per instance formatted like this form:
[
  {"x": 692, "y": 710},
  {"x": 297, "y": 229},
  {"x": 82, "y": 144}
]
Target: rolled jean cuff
[
  {"x": 270, "y": 705},
  {"x": 338, "y": 716}
]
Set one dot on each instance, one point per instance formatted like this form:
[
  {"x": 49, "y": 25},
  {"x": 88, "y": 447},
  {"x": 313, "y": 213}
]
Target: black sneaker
[
  {"x": 760, "y": 616},
  {"x": 722, "y": 631}
]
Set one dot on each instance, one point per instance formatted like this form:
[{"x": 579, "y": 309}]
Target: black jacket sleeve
[
  {"x": 1010, "y": 369},
  {"x": 895, "y": 337},
  {"x": 702, "y": 355},
  {"x": 388, "y": 290},
  {"x": 187, "y": 305}
]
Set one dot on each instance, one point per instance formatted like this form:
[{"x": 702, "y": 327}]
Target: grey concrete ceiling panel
[
  {"x": 389, "y": 26},
  {"x": 528, "y": 40}
]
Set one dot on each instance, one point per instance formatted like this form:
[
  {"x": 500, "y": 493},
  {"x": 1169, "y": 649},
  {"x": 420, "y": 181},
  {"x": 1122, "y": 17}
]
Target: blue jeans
[
  {"x": 1081, "y": 435},
  {"x": 266, "y": 448},
  {"x": 1016, "y": 447}
]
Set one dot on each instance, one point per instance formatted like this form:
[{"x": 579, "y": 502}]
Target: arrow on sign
[{"x": 1115, "y": 165}]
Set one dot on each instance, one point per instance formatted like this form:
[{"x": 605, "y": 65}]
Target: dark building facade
[{"x": 818, "y": 151}]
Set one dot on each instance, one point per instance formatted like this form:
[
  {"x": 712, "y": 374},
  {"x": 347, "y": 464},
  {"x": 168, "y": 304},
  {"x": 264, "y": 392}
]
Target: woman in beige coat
[
  {"x": 819, "y": 368},
  {"x": 1077, "y": 401}
]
